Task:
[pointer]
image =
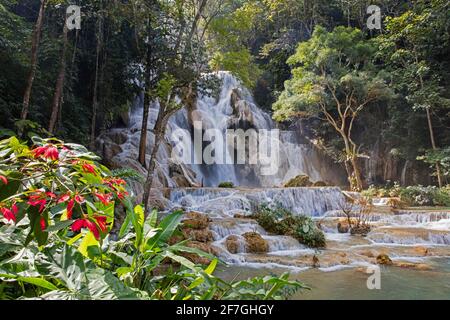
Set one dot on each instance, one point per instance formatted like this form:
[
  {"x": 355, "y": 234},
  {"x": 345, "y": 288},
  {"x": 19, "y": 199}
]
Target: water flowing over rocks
[
  {"x": 220, "y": 219},
  {"x": 234, "y": 108}
]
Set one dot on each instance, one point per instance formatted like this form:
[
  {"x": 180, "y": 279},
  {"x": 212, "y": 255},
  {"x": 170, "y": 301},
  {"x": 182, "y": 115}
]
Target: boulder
[
  {"x": 232, "y": 244},
  {"x": 255, "y": 243},
  {"x": 202, "y": 235},
  {"x": 319, "y": 184},
  {"x": 421, "y": 251},
  {"x": 241, "y": 216},
  {"x": 384, "y": 259},
  {"x": 360, "y": 230},
  {"x": 410, "y": 265},
  {"x": 342, "y": 227},
  {"x": 195, "y": 220},
  {"x": 195, "y": 258},
  {"x": 298, "y": 181}
]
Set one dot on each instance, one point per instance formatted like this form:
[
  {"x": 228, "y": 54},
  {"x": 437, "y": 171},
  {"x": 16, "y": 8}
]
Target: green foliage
[
  {"x": 440, "y": 157},
  {"x": 281, "y": 221},
  {"x": 413, "y": 195},
  {"x": 54, "y": 190},
  {"x": 226, "y": 185}
]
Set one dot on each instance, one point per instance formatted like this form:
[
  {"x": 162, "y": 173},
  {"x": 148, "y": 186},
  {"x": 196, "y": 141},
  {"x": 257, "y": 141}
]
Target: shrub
[
  {"x": 57, "y": 205},
  {"x": 226, "y": 185},
  {"x": 413, "y": 195},
  {"x": 281, "y": 221},
  {"x": 298, "y": 181}
]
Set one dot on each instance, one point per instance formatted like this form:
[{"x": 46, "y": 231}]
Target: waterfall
[
  {"x": 234, "y": 108},
  {"x": 306, "y": 201}
]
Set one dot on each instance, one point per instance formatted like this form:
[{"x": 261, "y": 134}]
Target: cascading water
[
  {"x": 234, "y": 108},
  {"x": 398, "y": 234}
]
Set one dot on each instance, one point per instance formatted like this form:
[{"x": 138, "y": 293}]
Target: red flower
[
  {"x": 121, "y": 195},
  {"x": 48, "y": 152},
  {"x": 88, "y": 168},
  {"x": 101, "y": 221},
  {"x": 3, "y": 178},
  {"x": 14, "y": 208},
  {"x": 10, "y": 214},
  {"x": 38, "y": 200},
  {"x": 114, "y": 182},
  {"x": 70, "y": 206},
  {"x": 86, "y": 223},
  {"x": 104, "y": 198},
  {"x": 43, "y": 224},
  {"x": 64, "y": 198},
  {"x": 77, "y": 198},
  {"x": 51, "y": 195}
]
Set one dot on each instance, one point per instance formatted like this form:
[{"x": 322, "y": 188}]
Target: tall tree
[
  {"x": 96, "y": 78},
  {"x": 334, "y": 80},
  {"x": 410, "y": 46},
  {"x": 34, "y": 59},
  {"x": 59, "y": 83},
  {"x": 180, "y": 76}
]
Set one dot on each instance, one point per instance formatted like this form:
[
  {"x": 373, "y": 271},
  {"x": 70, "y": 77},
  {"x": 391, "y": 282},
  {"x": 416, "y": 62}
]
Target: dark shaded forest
[{"x": 76, "y": 83}]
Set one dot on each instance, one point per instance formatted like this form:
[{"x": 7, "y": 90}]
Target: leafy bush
[
  {"x": 413, "y": 195},
  {"x": 58, "y": 206},
  {"x": 281, "y": 221},
  {"x": 226, "y": 185}
]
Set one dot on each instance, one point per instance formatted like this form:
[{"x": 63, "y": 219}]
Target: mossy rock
[
  {"x": 232, "y": 244},
  {"x": 299, "y": 181},
  {"x": 384, "y": 259},
  {"x": 282, "y": 222},
  {"x": 319, "y": 184},
  {"x": 255, "y": 243}
]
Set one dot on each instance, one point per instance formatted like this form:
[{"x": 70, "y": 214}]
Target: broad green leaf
[
  {"x": 88, "y": 241},
  {"x": 168, "y": 225}
]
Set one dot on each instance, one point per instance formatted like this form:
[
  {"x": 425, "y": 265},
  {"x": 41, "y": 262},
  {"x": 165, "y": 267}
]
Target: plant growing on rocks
[
  {"x": 281, "y": 221},
  {"x": 226, "y": 185},
  {"x": 357, "y": 213}
]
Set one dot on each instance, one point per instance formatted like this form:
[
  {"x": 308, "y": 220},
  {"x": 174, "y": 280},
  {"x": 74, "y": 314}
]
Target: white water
[
  {"x": 215, "y": 113},
  {"x": 399, "y": 234}
]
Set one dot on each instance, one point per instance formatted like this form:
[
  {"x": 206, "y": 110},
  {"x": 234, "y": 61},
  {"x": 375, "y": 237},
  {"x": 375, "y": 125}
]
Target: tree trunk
[
  {"x": 159, "y": 131},
  {"x": 147, "y": 101},
  {"x": 433, "y": 145},
  {"x": 34, "y": 52},
  {"x": 59, "y": 84},
  {"x": 357, "y": 173},
  {"x": 95, "y": 94}
]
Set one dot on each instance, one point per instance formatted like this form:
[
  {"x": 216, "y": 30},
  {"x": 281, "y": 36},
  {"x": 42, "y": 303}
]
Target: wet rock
[
  {"x": 232, "y": 244},
  {"x": 421, "y": 251},
  {"x": 360, "y": 230},
  {"x": 298, "y": 181},
  {"x": 342, "y": 227},
  {"x": 315, "y": 262},
  {"x": 181, "y": 181},
  {"x": 368, "y": 253},
  {"x": 195, "y": 258},
  {"x": 319, "y": 184},
  {"x": 202, "y": 235},
  {"x": 415, "y": 266},
  {"x": 384, "y": 259},
  {"x": 255, "y": 243},
  {"x": 175, "y": 239},
  {"x": 195, "y": 220},
  {"x": 241, "y": 216}
]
